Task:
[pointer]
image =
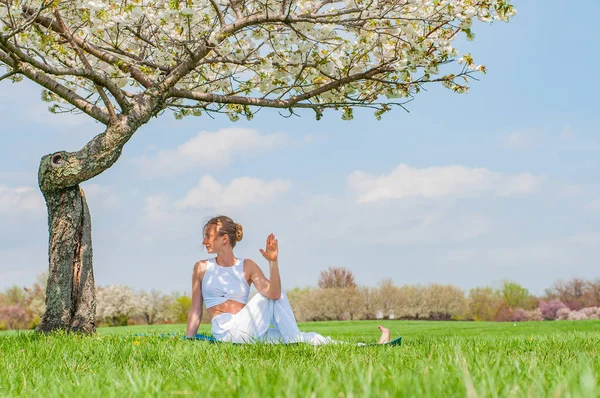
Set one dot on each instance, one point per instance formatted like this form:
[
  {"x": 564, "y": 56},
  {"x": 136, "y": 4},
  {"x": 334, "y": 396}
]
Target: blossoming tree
[{"x": 123, "y": 62}]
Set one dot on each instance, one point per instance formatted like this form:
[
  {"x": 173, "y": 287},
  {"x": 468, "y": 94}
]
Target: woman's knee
[{"x": 262, "y": 297}]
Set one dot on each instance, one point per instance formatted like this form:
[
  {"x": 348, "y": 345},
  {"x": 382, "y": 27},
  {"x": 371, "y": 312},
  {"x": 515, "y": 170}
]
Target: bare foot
[{"x": 385, "y": 335}]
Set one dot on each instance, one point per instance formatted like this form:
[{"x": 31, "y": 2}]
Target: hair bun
[{"x": 239, "y": 232}]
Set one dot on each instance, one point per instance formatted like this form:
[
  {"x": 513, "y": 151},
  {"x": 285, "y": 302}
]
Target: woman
[{"x": 223, "y": 284}]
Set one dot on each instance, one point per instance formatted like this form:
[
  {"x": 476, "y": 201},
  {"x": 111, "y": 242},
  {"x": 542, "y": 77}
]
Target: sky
[{"x": 498, "y": 184}]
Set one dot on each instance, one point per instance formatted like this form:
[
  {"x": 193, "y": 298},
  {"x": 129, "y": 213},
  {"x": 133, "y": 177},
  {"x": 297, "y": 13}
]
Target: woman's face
[{"x": 212, "y": 241}]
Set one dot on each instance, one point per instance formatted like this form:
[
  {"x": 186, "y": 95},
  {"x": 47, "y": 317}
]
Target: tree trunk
[{"x": 70, "y": 293}]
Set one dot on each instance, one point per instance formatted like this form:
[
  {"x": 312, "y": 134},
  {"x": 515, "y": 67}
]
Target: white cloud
[
  {"x": 593, "y": 206},
  {"x": 156, "y": 208},
  {"x": 105, "y": 196},
  {"x": 409, "y": 222},
  {"x": 519, "y": 140},
  {"x": 21, "y": 200},
  {"x": 568, "y": 134},
  {"x": 438, "y": 182},
  {"x": 214, "y": 149},
  {"x": 240, "y": 193},
  {"x": 163, "y": 219}
]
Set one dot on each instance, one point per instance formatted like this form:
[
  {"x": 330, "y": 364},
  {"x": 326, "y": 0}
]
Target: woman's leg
[
  {"x": 248, "y": 325},
  {"x": 385, "y": 335},
  {"x": 286, "y": 327},
  {"x": 253, "y": 323}
]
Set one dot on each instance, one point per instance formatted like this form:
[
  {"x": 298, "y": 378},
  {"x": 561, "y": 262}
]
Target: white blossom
[{"x": 318, "y": 43}]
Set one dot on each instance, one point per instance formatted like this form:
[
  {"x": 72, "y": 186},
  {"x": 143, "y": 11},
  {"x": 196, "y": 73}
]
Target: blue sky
[{"x": 472, "y": 189}]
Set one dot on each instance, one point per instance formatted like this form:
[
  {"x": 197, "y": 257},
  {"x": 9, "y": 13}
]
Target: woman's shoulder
[
  {"x": 201, "y": 265},
  {"x": 248, "y": 263}
]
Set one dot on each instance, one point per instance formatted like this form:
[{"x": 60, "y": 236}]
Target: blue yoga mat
[
  {"x": 211, "y": 339},
  {"x": 203, "y": 337}
]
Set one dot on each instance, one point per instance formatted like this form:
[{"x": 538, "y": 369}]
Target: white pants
[{"x": 252, "y": 324}]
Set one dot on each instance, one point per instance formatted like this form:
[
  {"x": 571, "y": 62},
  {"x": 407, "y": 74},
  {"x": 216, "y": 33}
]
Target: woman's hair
[{"x": 226, "y": 226}]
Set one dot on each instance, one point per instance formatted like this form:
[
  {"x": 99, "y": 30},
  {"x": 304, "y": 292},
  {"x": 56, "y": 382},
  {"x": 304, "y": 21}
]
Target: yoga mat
[{"x": 211, "y": 339}]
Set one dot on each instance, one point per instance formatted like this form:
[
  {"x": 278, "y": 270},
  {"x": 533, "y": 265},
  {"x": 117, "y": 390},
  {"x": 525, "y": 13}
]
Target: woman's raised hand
[{"x": 272, "y": 249}]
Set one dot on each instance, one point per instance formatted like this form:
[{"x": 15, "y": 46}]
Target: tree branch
[
  {"x": 272, "y": 103},
  {"x": 236, "y": 9},
  {"x": 70, "y": 96},
  {"x": 97, "y": 52},
  {"x": 89, "y": 74},
  {"x": 7, "y": 75},
  {"x": 69, "y": 36},
  {"x": 4, "y": 57},
  {"x": 28, "y": 22},
  {"x": 217, "y": 37},
  {"x": 218, "y": 12},
  {"x": 207, "y": 46},
  {"x": 65, "y": 169}
]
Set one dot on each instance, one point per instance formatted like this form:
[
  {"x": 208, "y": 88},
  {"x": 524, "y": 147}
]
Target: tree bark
[{"x": 70, "y": 293}]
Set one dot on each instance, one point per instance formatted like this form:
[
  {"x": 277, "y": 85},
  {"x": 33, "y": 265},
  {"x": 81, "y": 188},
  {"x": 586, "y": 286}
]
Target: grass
[{"x": 436, "y": 359}]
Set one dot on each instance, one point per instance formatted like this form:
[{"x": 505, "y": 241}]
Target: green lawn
[{"x": 438, "y": 359}]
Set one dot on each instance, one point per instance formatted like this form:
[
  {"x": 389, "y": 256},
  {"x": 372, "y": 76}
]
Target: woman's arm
[
  {"x": 268, "y": 288},
  {"x": 195, "y": 314}
]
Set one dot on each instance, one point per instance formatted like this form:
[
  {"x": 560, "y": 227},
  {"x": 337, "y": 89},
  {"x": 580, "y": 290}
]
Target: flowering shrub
[
  {"x": 519, "y": 315},
  {"x": 578, "y": 315},
  {"x": 13, "y": 317},
  {"x": 591, "y": 312},
  {"x": 549, "y": 309},
  {"x": 535, "y": 315},
  {"x": 563, "y": 314}
]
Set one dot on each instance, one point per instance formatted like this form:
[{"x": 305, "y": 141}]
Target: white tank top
[{"x": 224, "y": 283}]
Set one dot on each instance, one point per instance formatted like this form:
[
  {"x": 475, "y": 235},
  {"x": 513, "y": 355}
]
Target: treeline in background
[{"x": 337, "y": 297}]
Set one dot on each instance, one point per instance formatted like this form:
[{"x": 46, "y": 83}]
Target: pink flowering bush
[
  {"x": 591, "y": 312},
  {"x": 535, "y": 315},
  {"x": 563, "y": 314},
  {"x": 549, "y": 309},
  {"x": 13, "y": 317},
  {"x": 577, "y": 316},
  {"x": 519, "y": 315}
]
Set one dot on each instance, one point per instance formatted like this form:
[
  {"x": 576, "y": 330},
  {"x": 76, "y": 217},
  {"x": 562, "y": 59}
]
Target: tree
[
  {"x": 180, "y": 308},
  {"x": 571, "y": 293},
  {"x": 116, "y": 304},
  {"x": 411, "y": 302},
  {"x": 122, "y": 63},
  {"x": 336, "y": 278},
  {"x": 153, "y": 306},
  {"x": 35, "y": 298},
  {"x": 14, "y": 295},
  {"x": 517, "y": 296},
  {"x": 592, "y": 293},
  {"x": 347, "y": 302},
  {"x": 369, "y": 302},
  {"x": 444, "y": 301},
  {"x": 386, "y": 298},
  {"x": 483, "y": 303}
]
